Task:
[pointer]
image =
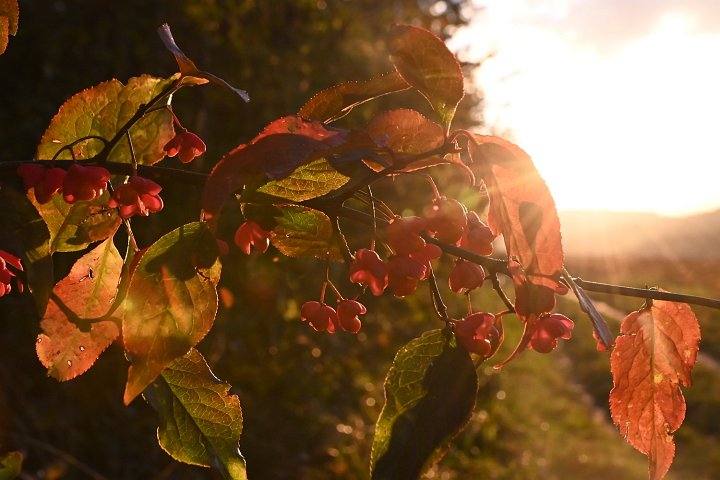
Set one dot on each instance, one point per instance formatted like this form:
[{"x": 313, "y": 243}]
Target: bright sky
[{"x": 617, "y": 101}]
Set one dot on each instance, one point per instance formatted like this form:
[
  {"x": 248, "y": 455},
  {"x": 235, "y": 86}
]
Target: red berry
[
  {"x": 446, "y": 218},
  {"x": 6, "y": 275},
  {"x": 139, "y": 196},
  {"x": 186, "y": 145},
  {"x": 45, "y": 181},
  {"x": 404, "y": 274},
  {"x": 404, "y": 234},
  {"x": 347, "y": 312},
  {"x": 477, "y": 237},
  {"x": 466, "y": 276},
  {"x": 251, "y": 234},
  {"x": 369, "y": 270},
  {"x": 84, "y": 183},
  {"x": 546, "y": 331},
  {"x": 478, "y": 334},
  {"x": 321, "y": 317}
]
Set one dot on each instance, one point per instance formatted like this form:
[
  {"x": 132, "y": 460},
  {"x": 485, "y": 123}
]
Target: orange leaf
[
  {"x": 652, "y": 357},
  {"x": 9, "y": 14},
  {"x": 337, "y": 101},
  {"x": 87, "y": 292},
  {"x": 423, "y": 60},
  {"x": 406, "y": 131},
  {"x": 523, "y": 211}
]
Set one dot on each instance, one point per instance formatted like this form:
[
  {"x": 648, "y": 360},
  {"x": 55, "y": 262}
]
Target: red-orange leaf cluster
[{"x": 653, "y": 356}]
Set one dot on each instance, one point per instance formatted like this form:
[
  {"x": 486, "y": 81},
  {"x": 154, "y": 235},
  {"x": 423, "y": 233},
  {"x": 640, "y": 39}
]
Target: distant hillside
[{"x": 641, "y": 235}]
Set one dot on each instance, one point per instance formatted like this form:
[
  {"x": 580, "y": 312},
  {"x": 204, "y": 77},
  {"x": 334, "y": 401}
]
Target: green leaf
[
  {"x": 102, "y": 111},
  {"x": 171, "y": 302},
  {"x": 308, "y": 181},
  {"x": 200, "y": 423},
  {"x": 75, "y": 226},
  {"x": 302, "y": 231},
  {"x": 337, "y": 101},
  {"x": 87, "y": 292},
  {"x": 430, "y": 394},
  {"x": 25, "y": 233},
  {"x": 423, "y": 60},
  {"x": 10, "y": 465}
]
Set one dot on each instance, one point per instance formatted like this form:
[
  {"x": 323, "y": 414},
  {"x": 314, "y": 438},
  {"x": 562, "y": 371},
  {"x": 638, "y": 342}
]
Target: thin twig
[{"x": 647, "y": 293}]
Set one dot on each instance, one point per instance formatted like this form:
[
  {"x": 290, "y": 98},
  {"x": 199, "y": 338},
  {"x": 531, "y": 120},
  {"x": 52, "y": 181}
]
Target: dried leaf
[
  {"x": 423, "y": 61},
  {"x": 430, "y": 394},
  {"x": 337, "y": 101},
  {"x": 200, "y": 423},
  {"x": 102, "y": 111},
  {"x": 171, "y": 302},
  {"x": 87, "y": 292},
  {"x": 191, "y": 74},
  {"x": 653, "y": 356}
]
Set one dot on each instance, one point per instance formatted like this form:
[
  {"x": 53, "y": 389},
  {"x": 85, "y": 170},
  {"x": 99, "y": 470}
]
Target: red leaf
[
  {"x": 406, "y": 131},
  {"x": 423, "y": 60},
  {"x": 282, "y": 147},
  {"x": 337, "y": 101},
  {"x": 523, "y": 211},
  {"x": 171, "y": 302},
  {"x": 652, "y": 357},
  {"x": 87, "y": 292}
]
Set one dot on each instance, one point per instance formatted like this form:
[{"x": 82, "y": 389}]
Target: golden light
[{"x": 630, "y": 128}]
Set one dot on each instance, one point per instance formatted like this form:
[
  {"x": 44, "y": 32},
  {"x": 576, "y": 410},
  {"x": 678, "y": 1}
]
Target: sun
[{"x": 633, "y": 130}]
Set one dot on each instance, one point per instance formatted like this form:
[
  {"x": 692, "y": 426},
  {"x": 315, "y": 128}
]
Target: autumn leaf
[
  {"x": 86, "y": 293},
  {"x": 653, "y": 356},
  {"x": 276, "y": 153},
  {"x": 406, "y": 132},
  {"x": 306, "y": 182},
  {"x": 74, "y": 226},
  {"x": 423, "y": 61},
  {"x": 430, "y": 394},
  {"x": 171, "y": 302},
  {"x": 335, "y": 102},
  {"x": 301, "y": 231},
  {"x": 523, "y": 211},
  {"x": 9, "y": 14},
  {"x": 200, "y": 423},
  {"x": 102, "y": 111}
]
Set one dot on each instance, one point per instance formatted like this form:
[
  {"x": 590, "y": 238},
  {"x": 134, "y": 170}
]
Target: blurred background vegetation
[{"x": 310, "y": 400}]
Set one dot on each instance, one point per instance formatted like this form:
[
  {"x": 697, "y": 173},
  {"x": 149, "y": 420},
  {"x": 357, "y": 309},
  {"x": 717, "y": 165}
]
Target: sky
[{"x": 618, "y": 102}]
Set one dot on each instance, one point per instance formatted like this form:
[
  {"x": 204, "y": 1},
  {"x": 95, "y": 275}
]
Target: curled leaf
[
  {"x": 652, "y": 357},
  {"x": 190, "y": 73},
  {"x": 9, "y": 14}
]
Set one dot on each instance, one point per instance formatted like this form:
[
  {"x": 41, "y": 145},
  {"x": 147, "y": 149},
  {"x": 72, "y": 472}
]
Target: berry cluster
[{"x": 138, "y": 196}]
